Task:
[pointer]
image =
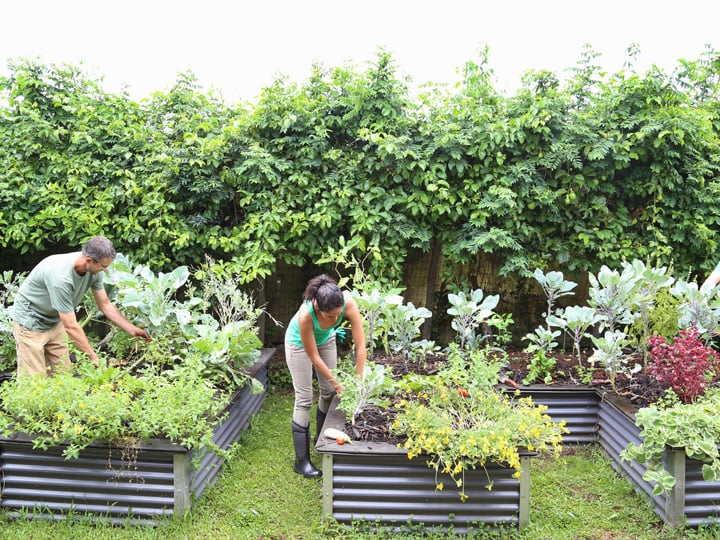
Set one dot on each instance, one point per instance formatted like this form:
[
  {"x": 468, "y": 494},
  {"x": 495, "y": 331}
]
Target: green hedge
[{"x": 570, "y": 175}]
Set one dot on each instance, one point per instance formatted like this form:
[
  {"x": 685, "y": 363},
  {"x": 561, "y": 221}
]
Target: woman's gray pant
[{"x": 301, "y": 370}]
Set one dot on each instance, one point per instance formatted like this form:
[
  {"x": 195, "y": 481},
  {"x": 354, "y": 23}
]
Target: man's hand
[{"x": 135, "y": 331}]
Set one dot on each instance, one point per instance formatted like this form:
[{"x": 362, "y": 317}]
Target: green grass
[{"x": 259, "y": 497}]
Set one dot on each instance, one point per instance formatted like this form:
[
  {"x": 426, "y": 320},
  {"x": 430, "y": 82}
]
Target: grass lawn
[{"x": 258, "y": 497}]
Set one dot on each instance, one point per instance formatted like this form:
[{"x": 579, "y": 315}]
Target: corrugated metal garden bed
[
  {"x": 161, "y": 479},
  {"x": 378, "y": 484}
]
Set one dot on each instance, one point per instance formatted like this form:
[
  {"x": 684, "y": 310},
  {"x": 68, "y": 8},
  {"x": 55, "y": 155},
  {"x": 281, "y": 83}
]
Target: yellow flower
[
  {"x": 440, "y": 486},
  {"x": 59, "y": 416}
]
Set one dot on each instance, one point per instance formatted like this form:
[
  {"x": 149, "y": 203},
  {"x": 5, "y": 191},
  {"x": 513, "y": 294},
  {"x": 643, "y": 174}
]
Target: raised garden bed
[
  {"x": 162, "y": 480},
  {"x": 692, "y": 501},
  {"x": 578, "y": 405},
  {"x": 378, "y": 484}
]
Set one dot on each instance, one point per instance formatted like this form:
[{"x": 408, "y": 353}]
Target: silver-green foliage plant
[
  {"x": 222, "y": 296},
  {"x": 152, "y": 298},
  {"x": 374, "y": 388},
  {"x": 610, "y": 353},
  {"x": 469, "y": 312},
  {"x": 9, "y": 284},
  {"x": 650, "y": 281},
  {"x": 554, "y": 285},
  {"x": 611, "y": 296},
  {"x": 376, "y": 307},
  {"x": 575, "y": 322},
  {"x": 224, "y": 350},
  {"x": 698, "y": 308},
  {"x": 404, "y": 327}
]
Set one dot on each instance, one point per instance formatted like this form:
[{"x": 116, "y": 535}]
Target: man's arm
[
  {"x": 77, "y": 334},
  {"x": 113, "y": 314}
]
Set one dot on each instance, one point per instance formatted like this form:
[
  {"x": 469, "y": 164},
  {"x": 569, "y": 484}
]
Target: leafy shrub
[
  {"x": 358, "y": 394},
  {"x": 686, "y": 365},
  {"x": 204, "y": 330}
]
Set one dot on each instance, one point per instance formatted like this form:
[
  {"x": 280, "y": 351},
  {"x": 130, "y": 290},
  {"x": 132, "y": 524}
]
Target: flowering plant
[{"x": 460, "y": 421}]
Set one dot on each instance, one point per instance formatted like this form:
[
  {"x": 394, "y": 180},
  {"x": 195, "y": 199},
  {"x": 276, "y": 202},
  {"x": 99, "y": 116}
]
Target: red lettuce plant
[{"x": 686, "y": 365}]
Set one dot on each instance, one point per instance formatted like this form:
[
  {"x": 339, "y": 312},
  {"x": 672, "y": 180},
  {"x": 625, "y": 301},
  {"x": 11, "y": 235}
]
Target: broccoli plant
[
  {"x": 575, "y": 321},
  {"x": 360, "y": 393},
  {"x": 554, "y": 285},
  {"x": 469, "y": 312}
]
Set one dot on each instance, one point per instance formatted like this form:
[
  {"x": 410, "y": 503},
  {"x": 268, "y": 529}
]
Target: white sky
[{"x": 240, "y": 46}]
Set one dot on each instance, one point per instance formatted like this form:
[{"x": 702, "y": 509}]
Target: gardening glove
[{"x": 340, "y": 335}]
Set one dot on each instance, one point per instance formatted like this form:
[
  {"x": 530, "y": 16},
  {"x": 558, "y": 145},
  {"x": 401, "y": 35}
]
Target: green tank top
[{"x": 292, "y": 335}]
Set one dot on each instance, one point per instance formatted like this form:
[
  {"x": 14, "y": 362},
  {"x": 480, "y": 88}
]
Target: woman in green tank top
[{"x": 310, "y": 343}]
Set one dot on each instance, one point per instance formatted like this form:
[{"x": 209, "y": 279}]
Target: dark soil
[
  {"x": 374, "y": 422},
  {"x": 372, "y": 425}
]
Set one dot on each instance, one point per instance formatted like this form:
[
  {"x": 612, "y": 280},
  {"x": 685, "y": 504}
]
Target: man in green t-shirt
[{"x": 44, "y": 308}]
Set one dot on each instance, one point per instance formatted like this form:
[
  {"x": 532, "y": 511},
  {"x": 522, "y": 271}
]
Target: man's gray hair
[{"x": 99, "y": 248}]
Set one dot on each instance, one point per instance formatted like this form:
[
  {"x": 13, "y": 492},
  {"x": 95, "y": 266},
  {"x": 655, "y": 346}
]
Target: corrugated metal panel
[
  {"x": 229, "y": 431},
  {"x": 702, "y": 499},
  {"x": 396, "y": 490},
  {"x": 615, "y": 433},
  {"x": 579, "y": 407},
  {"x": 49, "y": 484},
  {"x": 100, "y": 482}
]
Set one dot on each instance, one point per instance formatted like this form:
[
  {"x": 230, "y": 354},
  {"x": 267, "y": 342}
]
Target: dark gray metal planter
[
  {"x": 692, "y": 501},
  {"x": 377, "y": 483},
  {"x": 579, "y": 406},
  {"x": 162, "y": 482}
]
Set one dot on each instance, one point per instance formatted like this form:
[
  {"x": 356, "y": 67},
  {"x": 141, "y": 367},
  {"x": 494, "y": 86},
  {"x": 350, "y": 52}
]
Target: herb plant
[
  {"x": 693, "y": 426},
  {"x": 541, "y": 366},
  {"x": 113, "y": 406},
  {"x": 610, "y": 353}
]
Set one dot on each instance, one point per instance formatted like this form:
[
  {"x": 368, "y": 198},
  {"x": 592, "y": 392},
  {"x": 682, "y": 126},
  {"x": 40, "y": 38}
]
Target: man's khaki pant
[{"x": 41, "y": 353}]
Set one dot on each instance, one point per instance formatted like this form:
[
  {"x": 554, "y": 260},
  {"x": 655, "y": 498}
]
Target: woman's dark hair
[{"x": 323, "y": 290}]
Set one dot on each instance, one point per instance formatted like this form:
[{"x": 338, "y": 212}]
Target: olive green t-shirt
[{"x": 52, "y": 287}]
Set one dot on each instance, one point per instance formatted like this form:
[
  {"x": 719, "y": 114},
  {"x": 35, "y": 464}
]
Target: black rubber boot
[
  {"x": 301, "y": 441},
  {"x": 319, "y": 421}
]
